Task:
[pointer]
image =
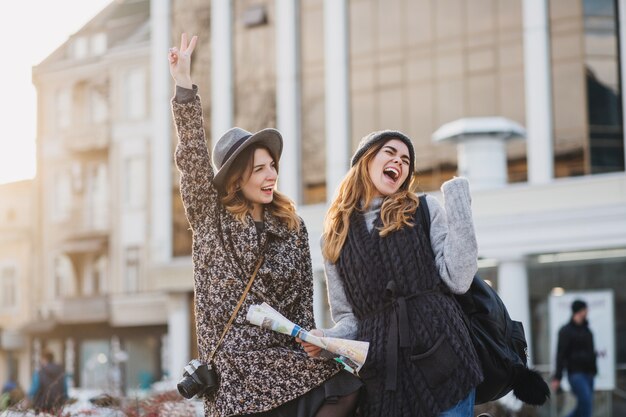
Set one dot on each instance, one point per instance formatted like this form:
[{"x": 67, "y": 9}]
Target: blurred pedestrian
[
  {"x": 390, "y": 283},
  {"x": 12, "y": 394},
  {"x": 577, "y": 355},
  {"x": 48, "y": 390}
]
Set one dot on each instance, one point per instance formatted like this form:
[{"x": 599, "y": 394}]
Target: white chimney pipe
[{"x": 481, "y": 148}]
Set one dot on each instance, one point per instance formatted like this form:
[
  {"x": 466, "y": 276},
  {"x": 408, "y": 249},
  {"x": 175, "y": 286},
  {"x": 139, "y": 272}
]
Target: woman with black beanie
[{"x": 390, "y": 283}]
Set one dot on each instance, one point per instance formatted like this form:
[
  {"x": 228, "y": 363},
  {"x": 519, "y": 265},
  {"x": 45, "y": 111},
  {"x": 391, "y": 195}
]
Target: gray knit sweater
[{"x": 453, "y": 241}]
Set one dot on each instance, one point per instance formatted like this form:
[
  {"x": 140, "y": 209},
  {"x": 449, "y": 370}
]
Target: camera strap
[{"x": 239, "y": 304}]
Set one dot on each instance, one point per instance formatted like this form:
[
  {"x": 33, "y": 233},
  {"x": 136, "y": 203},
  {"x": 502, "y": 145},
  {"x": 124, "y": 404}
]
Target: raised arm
[
  {"x": 192, "y": 154},
  {"x": 452, "y": 235}
]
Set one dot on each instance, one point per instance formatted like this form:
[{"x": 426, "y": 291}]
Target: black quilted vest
[{"x": 421, "y": 359}]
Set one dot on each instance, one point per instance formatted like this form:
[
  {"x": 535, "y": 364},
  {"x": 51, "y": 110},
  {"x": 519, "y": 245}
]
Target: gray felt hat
[
  {"x": 383, "y": 136},
  {"x": 234, "y": 141}
]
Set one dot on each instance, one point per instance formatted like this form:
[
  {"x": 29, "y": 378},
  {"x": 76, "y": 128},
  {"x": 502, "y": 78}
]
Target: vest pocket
[{"x": 437, "y": 363}]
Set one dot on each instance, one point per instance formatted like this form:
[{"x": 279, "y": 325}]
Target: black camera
[{"x": 198, "y": 379}]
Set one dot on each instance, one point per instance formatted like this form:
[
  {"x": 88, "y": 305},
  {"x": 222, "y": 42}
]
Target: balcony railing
[
  {"x": 83, "y": 222},
  {"x": 85, "y": 309},
  {"x": 85, "y": 138}
]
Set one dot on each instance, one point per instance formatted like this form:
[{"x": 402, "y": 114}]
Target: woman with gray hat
[
  {"x": 244, "y": 231},
  {"x": 390, "y": 283}
]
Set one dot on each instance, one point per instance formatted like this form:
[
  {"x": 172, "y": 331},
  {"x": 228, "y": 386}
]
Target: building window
[
  {"x": 62, "y": 196},
  {"x": 8, "y": 287},
  {"x": 100, "y": 275},
  {"x": 94, "y": 363},
  {"x": 64, "y": 277},
  {"x": 98, "y": 44},
  {"x": 97, "y": 196},
  {"x": 604, "y": 96},
  {"x": 95, "y": 277},
  {"x": 135, "y": 94},
  {"x": 142, "y": 365},
  {"x": 80, "y": 48},
  {"x": 132, "y": 270},
  {"x": 64, "y": 108},
  {"x": 98, "y": 106},
  {"x": 135, "y": 183}
]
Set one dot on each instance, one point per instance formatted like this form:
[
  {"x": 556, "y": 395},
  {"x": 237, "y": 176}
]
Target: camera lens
[{"x": 188, "y": 387}]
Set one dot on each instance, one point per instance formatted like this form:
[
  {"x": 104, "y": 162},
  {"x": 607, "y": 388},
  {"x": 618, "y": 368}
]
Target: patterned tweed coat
[{"x": 259, "y": 369}]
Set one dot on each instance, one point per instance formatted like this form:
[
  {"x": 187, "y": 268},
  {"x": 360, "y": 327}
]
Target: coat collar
[{"x": 274, "y": 226}]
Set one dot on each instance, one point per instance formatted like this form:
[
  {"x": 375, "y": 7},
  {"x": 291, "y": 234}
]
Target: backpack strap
[{"x": 425, "y": 214}]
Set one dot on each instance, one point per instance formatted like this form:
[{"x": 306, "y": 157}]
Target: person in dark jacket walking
[
  {"x": 576, "y": 353},
  {"x": 48, "y": 391},
  {"x": 390, "y": 283},
  {"x": 237, "y": 217}
]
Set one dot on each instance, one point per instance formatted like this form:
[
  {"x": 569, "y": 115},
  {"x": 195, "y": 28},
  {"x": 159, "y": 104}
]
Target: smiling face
[
  {"x": 389, "y": 168},
  {"x": 259, "y": 179}
]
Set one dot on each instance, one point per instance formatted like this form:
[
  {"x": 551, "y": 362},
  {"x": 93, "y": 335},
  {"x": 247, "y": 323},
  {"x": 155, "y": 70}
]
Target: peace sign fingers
[
  {"x": 180, "y": 61},
  {"x": 192, "y": 44},
  {"x": 186, "y": 46}
]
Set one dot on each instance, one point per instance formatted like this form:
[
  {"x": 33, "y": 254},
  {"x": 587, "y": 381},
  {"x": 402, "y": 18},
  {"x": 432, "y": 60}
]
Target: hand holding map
[{"x": 352, "y": 353}]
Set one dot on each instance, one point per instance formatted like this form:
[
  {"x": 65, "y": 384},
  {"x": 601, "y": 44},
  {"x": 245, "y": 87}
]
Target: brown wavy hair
[
  {"x": 357, "y": 191},
  {"x": 282, "y": 207}
]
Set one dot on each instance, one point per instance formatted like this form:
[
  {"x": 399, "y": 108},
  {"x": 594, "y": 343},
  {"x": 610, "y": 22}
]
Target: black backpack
[{"x": 499, "y": 342}]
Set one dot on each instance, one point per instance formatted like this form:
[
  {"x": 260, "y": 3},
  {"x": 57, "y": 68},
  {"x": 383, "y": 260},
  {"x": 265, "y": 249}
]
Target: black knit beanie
[
  {"x": 578, "y": 305},
  {"x": 383, "y": 136}
]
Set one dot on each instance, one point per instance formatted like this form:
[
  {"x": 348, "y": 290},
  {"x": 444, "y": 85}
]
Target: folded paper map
[{"x": 350, "y": 353}]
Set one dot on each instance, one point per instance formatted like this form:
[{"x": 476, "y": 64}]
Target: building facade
[
  {"x": 96, "y": 307},
  {"x": 341, "y": 69},
  {"x": 112, "y": 285},
  {"x": 17, "y": 269}
]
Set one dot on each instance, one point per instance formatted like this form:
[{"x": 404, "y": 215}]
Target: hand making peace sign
[{"x": 180, "y": 61}]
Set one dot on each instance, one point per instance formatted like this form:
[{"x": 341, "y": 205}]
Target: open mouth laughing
[{"x": 392, "y": 173}]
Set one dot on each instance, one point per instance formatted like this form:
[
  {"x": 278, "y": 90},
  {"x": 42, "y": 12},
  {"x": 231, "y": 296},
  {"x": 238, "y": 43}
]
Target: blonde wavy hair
[
  {"x": 282, "y": 207},
  {"x": 357, "y": 191}
]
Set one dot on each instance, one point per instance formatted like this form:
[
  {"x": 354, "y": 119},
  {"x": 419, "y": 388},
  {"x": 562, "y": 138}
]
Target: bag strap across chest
[{"x": 238, "y": 306}]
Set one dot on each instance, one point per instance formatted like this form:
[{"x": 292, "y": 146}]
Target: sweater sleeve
[
  {"x": 192, "y": 158},
  {"x": 346, "y": 324},
  {"x": 452, "y": 235}
]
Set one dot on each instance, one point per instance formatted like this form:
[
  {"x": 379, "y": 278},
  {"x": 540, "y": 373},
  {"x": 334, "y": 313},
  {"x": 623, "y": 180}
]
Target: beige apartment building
[
  {"x": 96, "y": 306},
  {"x": 113, "y": 284},
  {"x": 17, "y": 270}
]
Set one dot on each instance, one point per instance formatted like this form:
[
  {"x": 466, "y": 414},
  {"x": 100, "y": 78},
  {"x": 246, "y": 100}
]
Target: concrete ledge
[{"x": 140, "y": 309}]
